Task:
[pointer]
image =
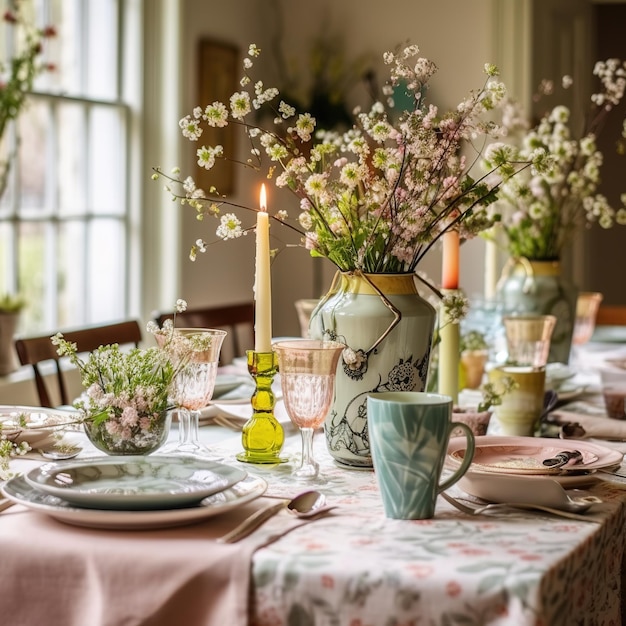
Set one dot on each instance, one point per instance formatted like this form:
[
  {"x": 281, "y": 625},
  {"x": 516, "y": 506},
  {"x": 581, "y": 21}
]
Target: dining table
[{"x": 351, "y": 566}]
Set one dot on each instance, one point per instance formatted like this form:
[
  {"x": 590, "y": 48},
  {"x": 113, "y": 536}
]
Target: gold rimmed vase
[{"x": 387, "y": 328}]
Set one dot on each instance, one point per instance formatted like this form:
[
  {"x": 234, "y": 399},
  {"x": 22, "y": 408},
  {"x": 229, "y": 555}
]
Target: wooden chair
[
  {"x": 611, "y": 316},
  {"x": 236, "y": 319},
  {"x": 35, "y": 350}
]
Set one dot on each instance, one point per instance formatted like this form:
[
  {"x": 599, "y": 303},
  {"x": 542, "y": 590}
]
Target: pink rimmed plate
[{"x": 525, "y": 455}]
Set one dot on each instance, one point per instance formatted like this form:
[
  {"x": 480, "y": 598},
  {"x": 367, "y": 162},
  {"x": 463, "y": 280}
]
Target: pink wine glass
[{"x": 307, "y": 371}]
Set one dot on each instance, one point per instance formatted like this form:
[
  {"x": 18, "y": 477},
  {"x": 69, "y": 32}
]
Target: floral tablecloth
[{"x": 358, "y": 568}]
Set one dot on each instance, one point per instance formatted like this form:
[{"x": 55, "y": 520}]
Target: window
[{"x": 65, "y": 216}]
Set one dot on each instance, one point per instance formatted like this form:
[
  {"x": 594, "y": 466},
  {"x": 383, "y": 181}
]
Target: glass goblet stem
[
  {"x": 188, "y": 431},
  {"x": 309, "y": 468}
]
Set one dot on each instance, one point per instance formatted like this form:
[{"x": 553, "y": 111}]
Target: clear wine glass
[
  {"x": 198, "y": 349},
  {"x": 307, "y": 369}
]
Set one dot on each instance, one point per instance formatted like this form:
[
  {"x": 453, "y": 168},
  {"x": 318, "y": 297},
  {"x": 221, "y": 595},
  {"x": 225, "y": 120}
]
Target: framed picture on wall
[{"x": 217, "y": 80}]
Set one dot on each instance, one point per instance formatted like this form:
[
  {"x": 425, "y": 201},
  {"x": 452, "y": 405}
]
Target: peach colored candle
[
  {"x": 262, "y": 281},
  {"x": 449, "y": 333},
  {"x": 450, "y": 270}
]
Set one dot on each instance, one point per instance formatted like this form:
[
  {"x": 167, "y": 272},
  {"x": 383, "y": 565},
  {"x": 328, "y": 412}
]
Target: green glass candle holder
[{"x": 263, "y": 435}]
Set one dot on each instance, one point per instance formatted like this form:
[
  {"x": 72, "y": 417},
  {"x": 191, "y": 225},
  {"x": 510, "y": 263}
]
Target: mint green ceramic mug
[{"x": 409, "y": 433}]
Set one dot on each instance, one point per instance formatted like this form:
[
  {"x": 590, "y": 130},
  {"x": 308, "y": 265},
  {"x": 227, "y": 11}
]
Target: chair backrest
[
  {"x": 236, "y": 319},
  {"x": 35, "y": 350},
  {"x": 611, "y": 316}
]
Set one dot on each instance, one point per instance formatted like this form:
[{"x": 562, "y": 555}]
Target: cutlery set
[{"x": 473, "y": 508}]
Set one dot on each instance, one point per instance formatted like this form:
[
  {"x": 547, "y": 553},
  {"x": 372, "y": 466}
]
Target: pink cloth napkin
[
  {"x": 597, "y": 426},
  {"x": 60, "y": 575}
]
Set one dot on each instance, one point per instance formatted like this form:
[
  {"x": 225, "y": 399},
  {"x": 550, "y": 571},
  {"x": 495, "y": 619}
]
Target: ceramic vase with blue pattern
[{"x": 387, "y": 328}]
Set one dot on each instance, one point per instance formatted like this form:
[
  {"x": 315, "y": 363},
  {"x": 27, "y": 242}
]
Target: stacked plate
[
  {"x": 134, "y": 492},
  {"x": 515, "y": 464},
  {"x": 559, "y": 377},
  {"x": 39, "y": 427},
  {"x": 232, "y": 386},
  {"x": 525, "y": 456}
]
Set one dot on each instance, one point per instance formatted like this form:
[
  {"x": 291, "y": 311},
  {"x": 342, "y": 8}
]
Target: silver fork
[{"x": 507, "y": 507}]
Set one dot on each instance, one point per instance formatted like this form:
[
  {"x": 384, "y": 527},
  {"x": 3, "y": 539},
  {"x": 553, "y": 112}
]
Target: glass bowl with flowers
[{"x": 125, "y": 403}]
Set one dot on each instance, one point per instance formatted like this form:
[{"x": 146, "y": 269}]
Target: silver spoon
[
  {"x": 61, "y": 453},
  {"x": 307, "y": 504}
]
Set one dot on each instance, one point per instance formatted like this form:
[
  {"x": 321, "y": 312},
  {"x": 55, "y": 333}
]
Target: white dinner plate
[
  {"x": 542, "y": 490},
  {"x": 37, "y": 426},
  {"x": 225, "y": 383},
  {"x": 134, "y": 482},
  {"x": 557, "y": 374},
  {"x": 525, "y": 455},
  {"x": 21, "y": 492}
]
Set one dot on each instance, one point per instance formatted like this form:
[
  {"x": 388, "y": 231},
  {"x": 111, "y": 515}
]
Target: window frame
[{"x": 13, "y": 218}]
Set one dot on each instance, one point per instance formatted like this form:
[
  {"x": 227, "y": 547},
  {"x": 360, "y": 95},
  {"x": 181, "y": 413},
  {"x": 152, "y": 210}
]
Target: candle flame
[{"x": 263, "y": 200}]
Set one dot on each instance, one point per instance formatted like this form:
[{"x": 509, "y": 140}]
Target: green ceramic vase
[{"x": 539, "y": 287}]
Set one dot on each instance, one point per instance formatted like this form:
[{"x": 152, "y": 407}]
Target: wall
[
  {"x": 456, "y": 35},
  {"x": 605, "y": 248}
]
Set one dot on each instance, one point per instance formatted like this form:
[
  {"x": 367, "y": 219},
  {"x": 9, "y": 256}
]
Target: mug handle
[{"x": 467, "y": 457}]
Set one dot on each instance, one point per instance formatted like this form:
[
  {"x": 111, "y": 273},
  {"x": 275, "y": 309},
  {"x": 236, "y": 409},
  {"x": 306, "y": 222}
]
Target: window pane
[
  {"x": 65, "y": 49},
  {"x": 71, "y": 159},
  {"x": 106, "y": 160},
  {"x": 71, "y": 275},
  {"x": 33, "y": 127},
  {"x": 86, "y": 49},
  {"x": 106, "y": 265},
  {"x": 102, "y": 45},
  {"x": 7, "y": 237},
  {"x": 33, "y": 279}
]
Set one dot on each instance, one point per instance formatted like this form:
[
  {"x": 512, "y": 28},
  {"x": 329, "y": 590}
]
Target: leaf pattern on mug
[{"x": 408, "y": 457}]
